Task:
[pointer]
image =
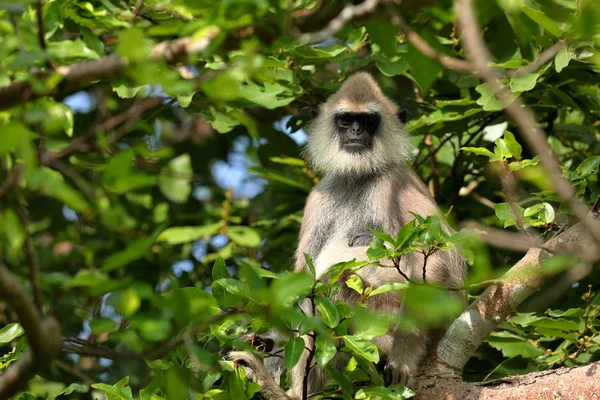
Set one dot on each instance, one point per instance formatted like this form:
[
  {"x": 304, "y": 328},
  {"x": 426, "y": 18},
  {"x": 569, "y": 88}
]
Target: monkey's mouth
[{"x": 355, "y": 145}]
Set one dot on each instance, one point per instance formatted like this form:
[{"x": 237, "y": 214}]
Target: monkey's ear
[
  {"x": 313, "y": 112},
  {"x": 401, "y": 114}
]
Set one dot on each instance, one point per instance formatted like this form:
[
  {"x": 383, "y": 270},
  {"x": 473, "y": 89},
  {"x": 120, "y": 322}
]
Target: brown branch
[
  {"x": 79, "y": 75},
  {"x": 546, "y": 56},
  {"x": 34, "y": 265},
  {"x": 348, "y": 13},
  {"x": 495, "y": 305},
  {"x": 420, "y": 44},
  {"x": 40, "y": 24},
  {"x": 521, "y": 115},
  {"x": 81, "y": 142},
  {"x": 12, "y": 180},
  {"x": 564, "y": 383},
  {"x": 43, "y": 336}
]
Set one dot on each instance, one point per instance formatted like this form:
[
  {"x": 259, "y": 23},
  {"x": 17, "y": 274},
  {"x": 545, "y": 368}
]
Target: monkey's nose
[{"x": 356, "y": 129}]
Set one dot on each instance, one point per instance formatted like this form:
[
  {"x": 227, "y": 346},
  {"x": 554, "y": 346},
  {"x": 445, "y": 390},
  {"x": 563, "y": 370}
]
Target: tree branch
[
  {"x": 425, "y": 48},
  {"x": 546, "y": 56},
  {"x": 521, "y": 115},
  {"x": 43, "y": 336},
  {"x": 495, "y": 304},
  {"x": 564, "y": 383},
  {"x": 349, "y": 12},
  {"x": 77, "y": 76}
]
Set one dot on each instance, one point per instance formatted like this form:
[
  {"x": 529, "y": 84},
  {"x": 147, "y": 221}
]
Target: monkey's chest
[{"x": 340, "y": 234}]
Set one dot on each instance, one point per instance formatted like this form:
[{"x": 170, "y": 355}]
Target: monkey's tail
[{"x": 258, "y": 373}]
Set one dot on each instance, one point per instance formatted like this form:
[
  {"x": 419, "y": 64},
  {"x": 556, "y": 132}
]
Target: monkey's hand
[{"x": 361, "y": 239}]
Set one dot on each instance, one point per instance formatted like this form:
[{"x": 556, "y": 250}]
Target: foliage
[{"x": 161, "y": 231}]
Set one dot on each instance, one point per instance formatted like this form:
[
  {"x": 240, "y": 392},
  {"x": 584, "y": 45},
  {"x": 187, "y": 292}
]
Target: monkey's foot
[{"x": 398, "y": 374}]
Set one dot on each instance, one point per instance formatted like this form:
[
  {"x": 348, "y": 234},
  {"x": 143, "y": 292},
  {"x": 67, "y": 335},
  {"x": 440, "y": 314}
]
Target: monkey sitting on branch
[{"x": 359, "y": 140}]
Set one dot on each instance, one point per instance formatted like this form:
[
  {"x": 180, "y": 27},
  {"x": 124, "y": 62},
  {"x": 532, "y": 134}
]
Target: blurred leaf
[
  {"x": 174, "y": 180},
  {"x": 185, "y": 234},
  {"x": 10, "y": 332},
  {"x": 244, "y": 236}
]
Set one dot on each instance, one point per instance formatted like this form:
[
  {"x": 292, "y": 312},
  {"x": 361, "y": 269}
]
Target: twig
[
  {"x": 40, "y": 24},
  {"x": 544, "y": 57},
  {"x": 34, "y": 266},
  {"x": 420, "y": 44},
  {"x": 74, "y": 371},
  {"x": 348, "y": 14},
  {"x": 12, "y": 180},
  {"x": 43, "y": 336},
  {"x": 521, "y": 115},
  {"x": 79, "y": 75},
  {"x": 81, "y": 143}
]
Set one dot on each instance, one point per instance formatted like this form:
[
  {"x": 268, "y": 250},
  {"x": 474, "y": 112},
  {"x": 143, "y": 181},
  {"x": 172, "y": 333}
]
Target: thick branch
[
  {"x": 522, "y": 116},
  {"x": 564, "y": 383},
  {"x": 43, "y": 336},
  {"x": 495, "y": 304},
  {"x": 77, "y": 76}
]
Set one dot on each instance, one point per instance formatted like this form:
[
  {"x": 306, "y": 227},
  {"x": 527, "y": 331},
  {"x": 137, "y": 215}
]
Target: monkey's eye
[
  {"x": 344, "y": 120},
  {"x": 371, "y": 121}
]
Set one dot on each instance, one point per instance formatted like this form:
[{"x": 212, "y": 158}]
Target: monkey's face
[{"x": 356, "y": 130}]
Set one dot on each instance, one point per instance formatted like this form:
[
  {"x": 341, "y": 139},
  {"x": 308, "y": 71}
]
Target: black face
[{"x": 356, "y": 130}]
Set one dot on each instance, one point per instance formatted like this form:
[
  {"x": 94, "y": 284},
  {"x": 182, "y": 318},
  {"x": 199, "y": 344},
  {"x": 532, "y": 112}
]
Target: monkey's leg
[{"x": 408, "y": 350}]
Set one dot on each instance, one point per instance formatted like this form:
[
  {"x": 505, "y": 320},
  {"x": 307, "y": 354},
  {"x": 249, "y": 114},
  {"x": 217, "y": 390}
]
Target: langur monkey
[{"x": 359, "y": 140}]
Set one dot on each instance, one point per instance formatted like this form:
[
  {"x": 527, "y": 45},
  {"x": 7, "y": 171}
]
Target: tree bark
[{"x": 579, "y": 383}]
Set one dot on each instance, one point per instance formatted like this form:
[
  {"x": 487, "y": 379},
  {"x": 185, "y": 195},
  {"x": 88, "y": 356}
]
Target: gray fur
[{"x": 378, "y": 189}]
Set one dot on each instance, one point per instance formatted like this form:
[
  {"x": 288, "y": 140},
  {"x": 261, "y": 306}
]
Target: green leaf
[
  {"x": 13, "y": 134},
  {"x": 354, "y": 282},
  {"x": 191, "y": 304},
  {"x": 244, "y": 236},
  {"x": 384, "y": 34},
  {"x": 174, "y": 180},
  {"x": 132, "y": 252},
  {"x": 388, "y": 287},
  {"x": 571, "y": 312},
  {"x": 311, "y": 53},
  {"x": 327, "y": 311},
  {"x": 523, "y": 83},
  {"x": 324, "y": 349},
  {"x": 588, "y": 167},
  {"x": 362, "y": 348},
  {"x": 289, "y": 288},
  {"x": 125, "y": 90},
  {"x": 51, "y": 183},
  {"x": 219, "y": 270},
  {"x": 513, "y": 146},
  {"x": 119, "y": 391},
  {"x": 393, "y": 66},
  {"x": 543, "y": 20},
  {"x": 185, "y": 234},
  {"x": 101, "y": 325},
  {"x": 383, "y": 393},
  {"x": 481, "y": 151},
  {"x": 367, "y": 325},
  {"x": 488, "y": 99},
  {"x": 562, "y": 59},
  {"x": 10, "y": 332},
  {"x": 292, "y": 352},
  {"x": 310, "y": 265},
  {"x": 512, "y": 347},
  {"x": 271, "y": 95}
]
